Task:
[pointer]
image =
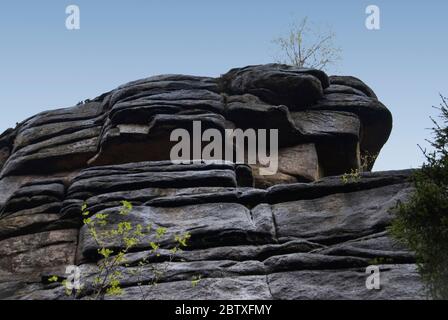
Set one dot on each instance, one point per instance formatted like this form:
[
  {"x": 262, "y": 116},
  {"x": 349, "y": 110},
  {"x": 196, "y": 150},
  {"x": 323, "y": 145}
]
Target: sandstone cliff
[{"x": 300, "y": 234}]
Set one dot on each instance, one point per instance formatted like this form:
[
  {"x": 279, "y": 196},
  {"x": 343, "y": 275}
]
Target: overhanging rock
[{"x": 303, "y": 233}]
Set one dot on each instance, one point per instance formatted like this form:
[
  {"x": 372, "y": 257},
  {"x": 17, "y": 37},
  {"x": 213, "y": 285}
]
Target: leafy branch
[{"x": 107, "y": 282}]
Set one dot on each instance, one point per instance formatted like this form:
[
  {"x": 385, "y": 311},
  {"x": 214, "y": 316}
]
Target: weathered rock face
[
  {"x": 327, "y": 123},
  {"x": 300, "y": 234}
]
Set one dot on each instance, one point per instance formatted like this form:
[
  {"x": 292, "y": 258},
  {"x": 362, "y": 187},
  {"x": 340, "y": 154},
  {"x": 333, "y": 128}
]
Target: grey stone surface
[
  {"x": 302, "y": 233},
  {"x": 278, "y": 84},
  {"x": 397, "y": 282},
  {"x": 208, "y": 224},
  {"x": 378, "y": 247},
  {"x": 238, "y": 288},
  {"x": 338, "y": 217},
  {"x": 35, "y": 252}
]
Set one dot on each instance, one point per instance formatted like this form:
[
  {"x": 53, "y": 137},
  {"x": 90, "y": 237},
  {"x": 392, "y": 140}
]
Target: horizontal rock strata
[{"x": 304, "y": 233}]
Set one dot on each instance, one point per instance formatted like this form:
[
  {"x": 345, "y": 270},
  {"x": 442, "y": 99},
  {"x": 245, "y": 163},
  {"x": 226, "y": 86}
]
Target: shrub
[
  {"x": 108, "y": 280},
  {"x": 422, "y": 222}
]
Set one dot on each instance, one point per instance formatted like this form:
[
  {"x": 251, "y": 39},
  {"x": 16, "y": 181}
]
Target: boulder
[
  {"x": 277, "y": 84},
  {"x": 354, "y": 83}
]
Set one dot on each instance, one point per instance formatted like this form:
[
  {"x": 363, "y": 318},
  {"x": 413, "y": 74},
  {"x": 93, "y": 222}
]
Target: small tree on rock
[{"x": 308, "y": 46}]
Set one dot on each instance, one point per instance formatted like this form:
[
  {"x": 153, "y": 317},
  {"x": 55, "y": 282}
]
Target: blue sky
[{"x": 45, "y": 66}]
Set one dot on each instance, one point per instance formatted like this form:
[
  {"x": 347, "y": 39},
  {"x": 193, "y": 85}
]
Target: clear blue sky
[{"x": 45, "y": 66}]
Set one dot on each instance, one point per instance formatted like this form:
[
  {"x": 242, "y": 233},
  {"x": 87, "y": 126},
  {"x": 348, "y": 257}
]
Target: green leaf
[
  {"x": 126, "y": 208},
  {"x": 195, "y": 281},
  {"x": 105, "y": 252},
  {"x": 182, "y": 240},
  {"x": 154, "y": 246},
  {"x": 130, "y": 242},
  {"x": 160, "y": 232},
  {"x": 101, "y": 216}
]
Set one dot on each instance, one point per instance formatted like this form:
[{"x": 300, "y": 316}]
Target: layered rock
[
  {"x": 329, "y": 123},
  {"x": 304, "y": 233}
]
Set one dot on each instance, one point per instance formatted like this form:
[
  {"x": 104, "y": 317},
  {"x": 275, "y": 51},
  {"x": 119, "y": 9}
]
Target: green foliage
[
  {"x": 308, "y": 45},
  {"x": 182, "y": 239},
  {"x": 195, "y": 281},
  {"x": 353, "y": 176},
  {"x": 126, "y": 208},
  {"x": 422, "y": 222},
  {"x": 160, "y": 232},
  {"x": 68, "y": 291},
  {"x": 367, "y": 161},
  {"x": 53, "y": 279},
  {"x": 129, "y": 236}
]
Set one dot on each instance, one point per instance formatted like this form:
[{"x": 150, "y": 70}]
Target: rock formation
[{"x": 303, "y": 233}]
